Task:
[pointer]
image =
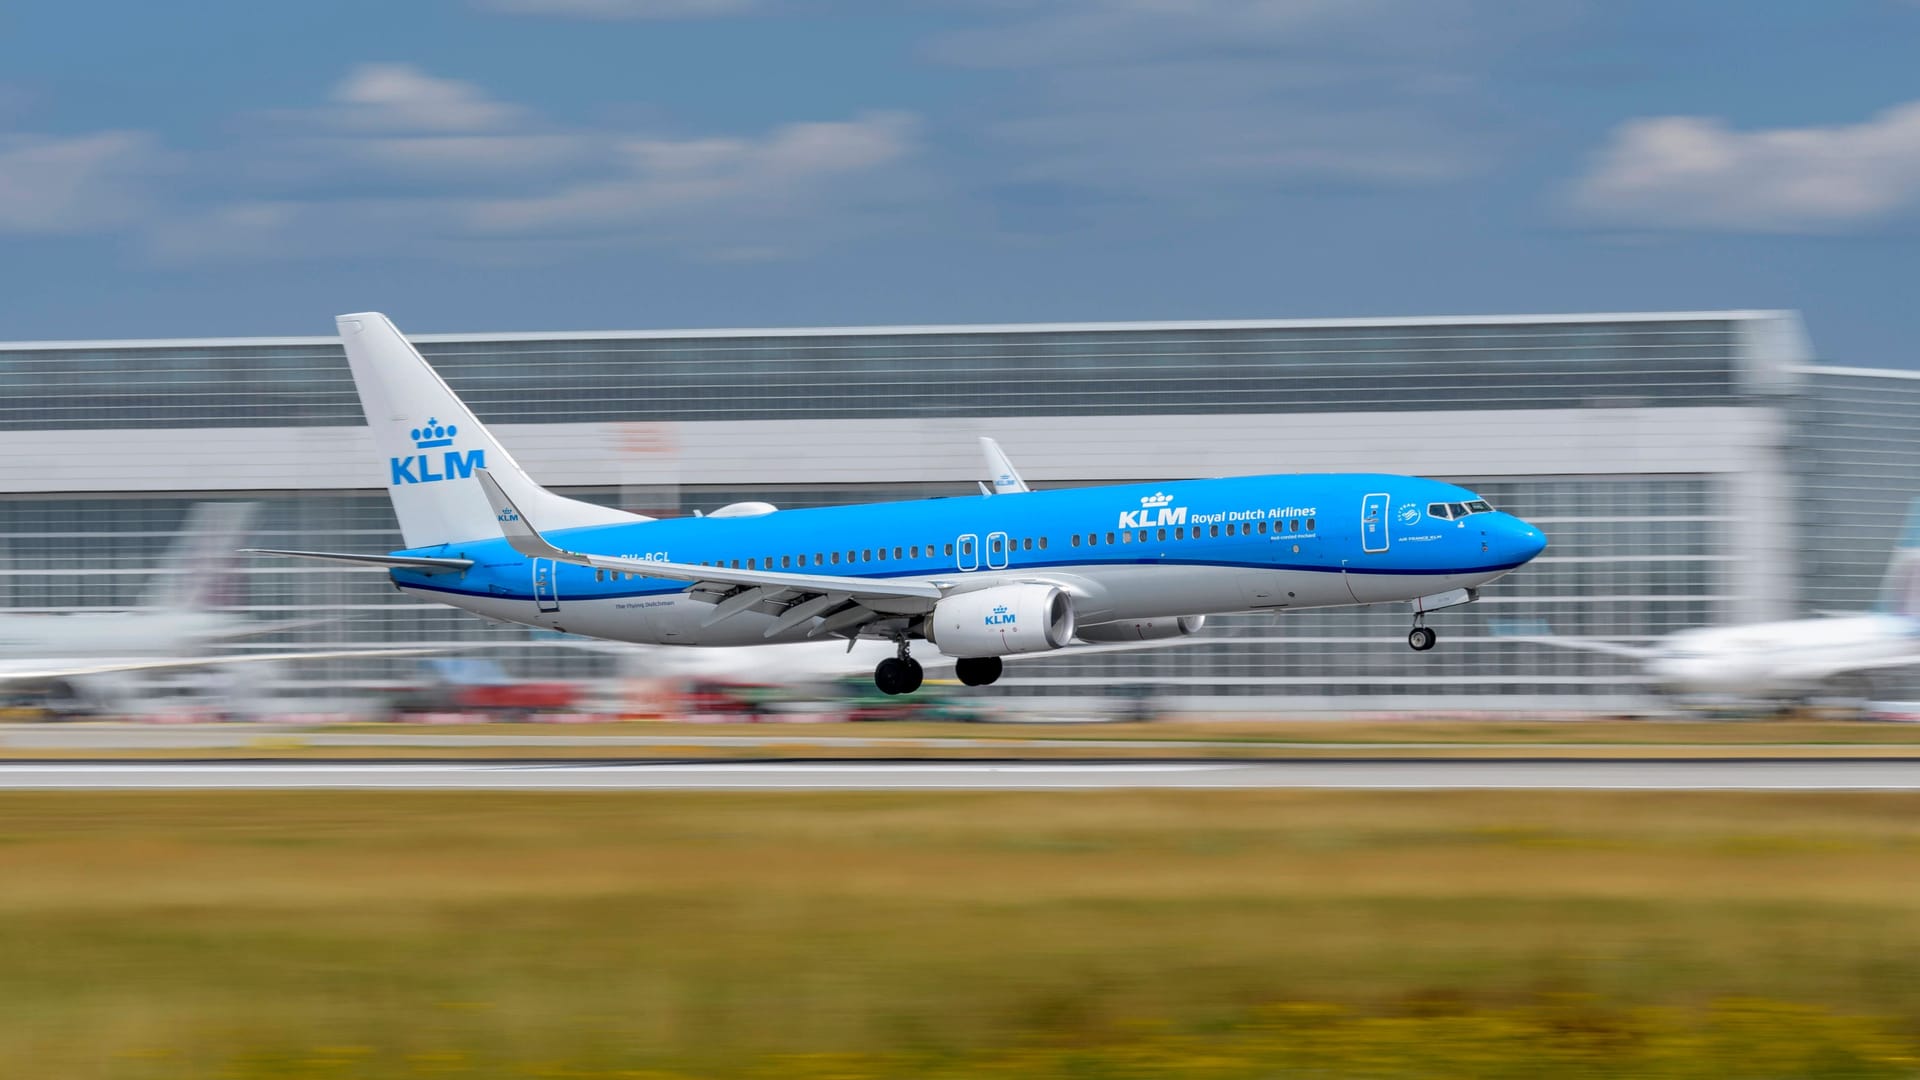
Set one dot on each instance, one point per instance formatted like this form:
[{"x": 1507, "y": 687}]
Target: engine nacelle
[
  {"x": 1001, "y": 621},
  {"x": 1142, "y": 629}
]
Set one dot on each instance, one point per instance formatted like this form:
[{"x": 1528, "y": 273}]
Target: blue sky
[{"x": 228, "y": 167}]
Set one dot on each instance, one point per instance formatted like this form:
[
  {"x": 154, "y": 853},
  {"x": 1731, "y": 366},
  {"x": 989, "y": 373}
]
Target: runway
[{"x": 1423, "y": 775}]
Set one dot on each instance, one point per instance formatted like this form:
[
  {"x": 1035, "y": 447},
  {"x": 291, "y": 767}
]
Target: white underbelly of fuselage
[{"x": 1101, "y": 594}]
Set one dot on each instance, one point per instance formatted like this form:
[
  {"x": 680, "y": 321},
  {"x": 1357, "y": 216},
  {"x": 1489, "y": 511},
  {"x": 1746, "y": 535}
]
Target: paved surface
[
  {"x": 269, "y": 738},
  {"x": 1857, "y": 775}
]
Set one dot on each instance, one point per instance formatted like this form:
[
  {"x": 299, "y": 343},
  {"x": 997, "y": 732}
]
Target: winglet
[
  {"x": 513, "y": 524},
  {"x": 1006, "y": 479}
]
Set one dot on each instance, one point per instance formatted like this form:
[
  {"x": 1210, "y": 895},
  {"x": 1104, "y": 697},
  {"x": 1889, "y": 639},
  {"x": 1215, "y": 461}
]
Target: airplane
[
  {"x": 1793, "y": 660},
  {"x": 980, "y": 579},
  {"x": 89, "y": 662}
]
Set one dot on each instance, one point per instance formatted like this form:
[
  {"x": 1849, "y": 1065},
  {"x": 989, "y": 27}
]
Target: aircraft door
[
  {"x": 546, "y": 589},
  {"x": 1373, "y": 522},
  {"x": 997, "y": 551},
  {"x": 967, "y": 552}
]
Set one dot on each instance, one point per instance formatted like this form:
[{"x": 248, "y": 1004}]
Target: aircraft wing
[
  {"x": 1006, "y": 479},
  {"x": 1611, "y": 648},
  {"x": 820, "y": 594}
]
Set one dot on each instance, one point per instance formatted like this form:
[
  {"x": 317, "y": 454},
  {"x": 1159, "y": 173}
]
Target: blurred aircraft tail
[
  {"x": 196, "y": 573},
  {"x": 1900, "y": 589},
  {"x": 433, "y": 444}
]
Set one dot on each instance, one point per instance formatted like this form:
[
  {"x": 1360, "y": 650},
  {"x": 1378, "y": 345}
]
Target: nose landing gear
[
  {"x": 899, "y": 674},
  {"x": 1421, "y": 637}
]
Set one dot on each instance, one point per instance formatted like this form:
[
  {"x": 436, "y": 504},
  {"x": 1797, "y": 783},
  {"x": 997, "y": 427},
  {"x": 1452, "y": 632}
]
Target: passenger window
[
  {"x": 1293, "y": 525},
  {"x": 1093, "y": 539},
  {"x": 897, "y": 552},
  {"x": 851, "y": 557},
  {"x": 949, "y": 549},
  {"x": 1263, "y": 526},
  {"x": 786, "y": 561},
  {"x": 866, "y": 555},
  {"x": 1309, "y": 524},
  {"x": 1126, "y": 538},
  {"x": 1213, "y": 530},
  {"x": 1076, "y": 539},
  {"x": 1163, "y": 535},
  {"x": 836, "y": 558},
  {"x": 736, "y": 564},
  {"x": 1231, "y": 529},
  {"x": 1180, "y": 534},
  {"x": 599, "y": 575},
  {"x": 1109, "y": 538},
  {"x": 966, "y": 547},
  {"x": 994, "y": 543},
  {"x": 751, "y": 564},
  {"x": 914, "y": 551},
  {"x": 1026, "y": 544},
  {"x": 1043, "y": 543}
]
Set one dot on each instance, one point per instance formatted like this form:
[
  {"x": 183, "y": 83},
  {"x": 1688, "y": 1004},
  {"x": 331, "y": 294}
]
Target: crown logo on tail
[{"x": 432, "y": 434}]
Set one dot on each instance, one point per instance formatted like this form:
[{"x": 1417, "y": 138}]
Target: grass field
[{"x": 1228, "y": 934}]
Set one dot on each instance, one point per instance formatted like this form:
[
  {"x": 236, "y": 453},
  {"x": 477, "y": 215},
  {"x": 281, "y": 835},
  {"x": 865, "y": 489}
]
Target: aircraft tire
[
  {"x": 1421, "y": 638},
  {"x": 911, "y": 675},
  {"x": 978, "y": 670},
  {"x": 890, "y": 676}
]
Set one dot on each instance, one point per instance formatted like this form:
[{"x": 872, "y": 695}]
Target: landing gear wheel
[
  {"x": 978, "y": 670},
  {"x": 898, "y": 675},
  {"x": 1421, "y": 639}
]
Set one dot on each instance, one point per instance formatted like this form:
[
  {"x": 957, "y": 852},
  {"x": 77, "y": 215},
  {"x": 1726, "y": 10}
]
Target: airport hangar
[{"x": 1690, "y": 468}]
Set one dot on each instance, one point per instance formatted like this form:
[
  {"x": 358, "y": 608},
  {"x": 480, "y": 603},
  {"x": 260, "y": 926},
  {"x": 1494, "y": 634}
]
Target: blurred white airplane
[
  {"x": 1796, "y": 660},
  {"x": 92, "y": 662}
]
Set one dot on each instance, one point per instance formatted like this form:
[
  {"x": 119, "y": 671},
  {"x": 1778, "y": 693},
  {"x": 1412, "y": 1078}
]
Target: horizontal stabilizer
[{"x": 410, "y": 562}]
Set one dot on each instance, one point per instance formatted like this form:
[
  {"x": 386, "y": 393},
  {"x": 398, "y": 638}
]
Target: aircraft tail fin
[
  {"x": 432, "y": 445},
  {"x": 193, "y": 576},
  {"x": 1900, "y": 589}
]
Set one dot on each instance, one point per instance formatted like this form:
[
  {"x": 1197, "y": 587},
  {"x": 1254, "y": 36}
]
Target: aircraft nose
[{"x": 1521, "y": 541}]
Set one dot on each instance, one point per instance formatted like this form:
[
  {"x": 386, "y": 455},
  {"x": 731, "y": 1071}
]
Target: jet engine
[
  {"x": 1142, "y": 629},
  {"x": 1002, "y": 620}
]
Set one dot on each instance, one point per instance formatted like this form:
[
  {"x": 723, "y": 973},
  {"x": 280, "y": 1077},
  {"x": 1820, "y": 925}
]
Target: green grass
[{"x": 1219, "y": 934}]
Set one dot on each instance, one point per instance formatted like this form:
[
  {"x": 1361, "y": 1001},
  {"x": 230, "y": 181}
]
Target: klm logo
[
  {"x": 426, "y": 468},
  {"x": 1153, "y": 511},
  {"x": 1001, "y": 617}
]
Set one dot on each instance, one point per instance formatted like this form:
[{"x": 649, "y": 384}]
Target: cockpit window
[{"x": 1456, "y": 511}]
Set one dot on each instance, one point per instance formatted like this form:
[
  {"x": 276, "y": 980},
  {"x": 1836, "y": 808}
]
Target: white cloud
[
  {"x": 1687, "y": 172},
  {"x": 401, "y": 97},
  {"x": 622, "y": 9},
  {"x": 403, "y": 162},
  {"x": 76, "y": 184},
  {"x": 753, "y": 176}
]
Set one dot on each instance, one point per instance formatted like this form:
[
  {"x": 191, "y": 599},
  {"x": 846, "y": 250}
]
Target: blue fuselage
[{"x": 1131, "y": 551}]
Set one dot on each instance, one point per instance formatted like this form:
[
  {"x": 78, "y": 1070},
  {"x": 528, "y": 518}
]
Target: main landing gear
[
  {"x": 977, "y": 670},
  {"x": 1421, "y": 638},
  {"x": 898, "y": 674}
]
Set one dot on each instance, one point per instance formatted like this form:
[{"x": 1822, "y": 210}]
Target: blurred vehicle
[
  {"x": 480, "y": 688},
  {"x": 982, "y": 580},
  {"x": 85, "y": 663},
  {"x": 1829, "y": 659}
]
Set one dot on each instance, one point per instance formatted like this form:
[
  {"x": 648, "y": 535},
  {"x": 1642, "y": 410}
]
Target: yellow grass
[{"x": 1093, "y": 934}]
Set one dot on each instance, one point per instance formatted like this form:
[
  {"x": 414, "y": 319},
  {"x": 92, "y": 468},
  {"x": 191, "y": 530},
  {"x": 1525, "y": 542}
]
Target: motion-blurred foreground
[
  {"x": 1225, "y": 935},
  {"x": 1694, "y": 469}
]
